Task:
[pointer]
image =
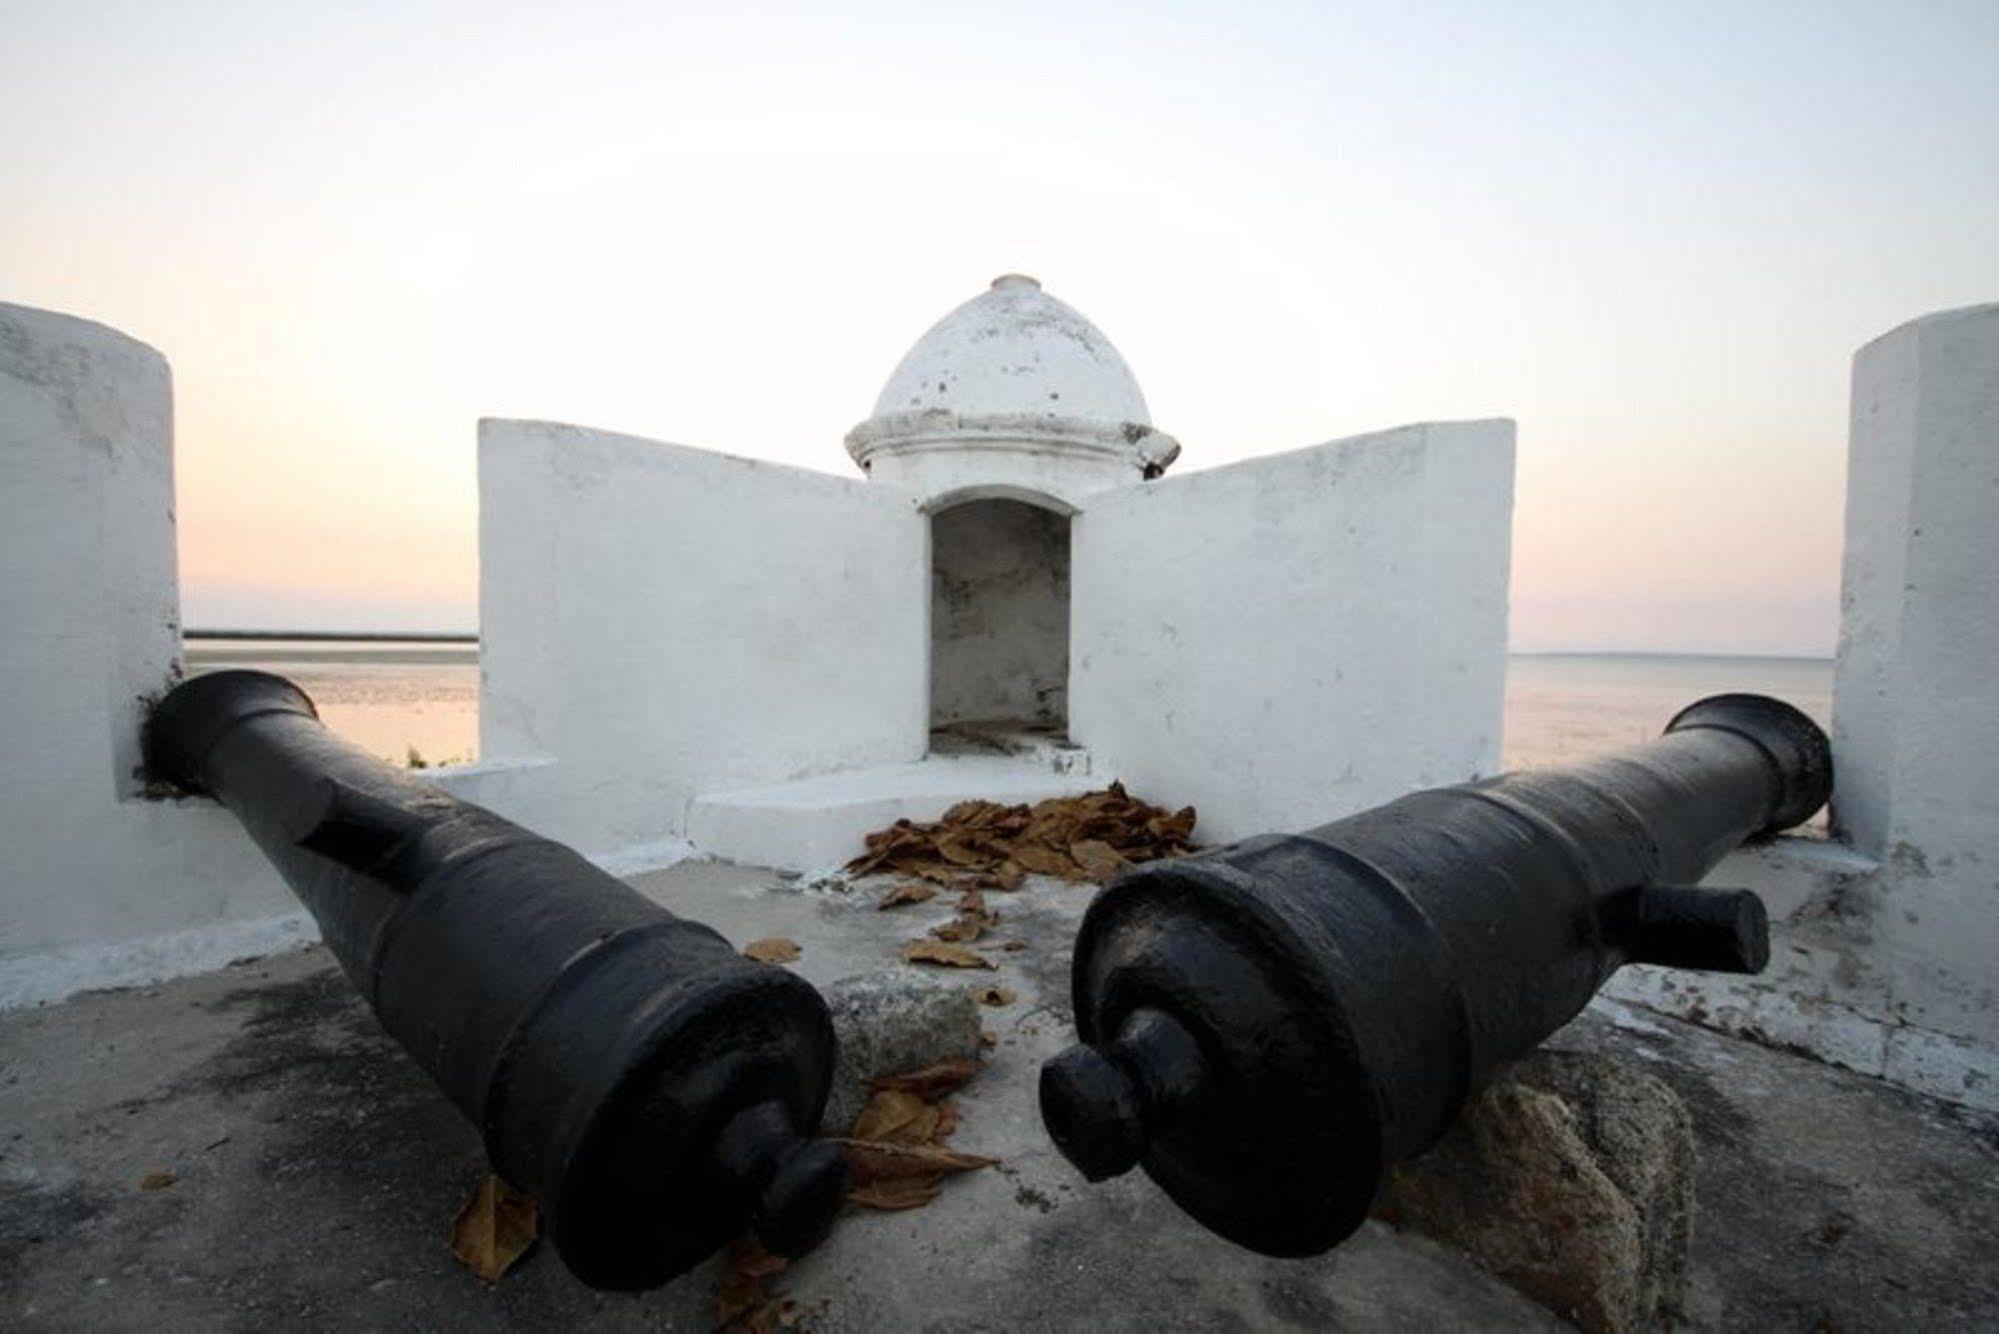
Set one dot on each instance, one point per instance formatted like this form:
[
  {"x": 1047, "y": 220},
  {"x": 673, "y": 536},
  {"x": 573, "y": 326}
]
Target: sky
[{"x": 1653, "y": 235}]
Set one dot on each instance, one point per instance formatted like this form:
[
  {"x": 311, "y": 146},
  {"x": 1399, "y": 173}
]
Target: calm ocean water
[
  {"x": 392, "y": 697},
  {"x": 396, "y": 698}
]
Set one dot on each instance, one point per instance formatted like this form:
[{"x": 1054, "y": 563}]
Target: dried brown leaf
[
  {"x": 965, "y": 813},
  {"x": 159, "y": 1180},
  {"x": 944, "y": 954},
  {"x": 995, "y": 996},
  {"x": 1040, "y": 860},
  {"x": 932, "y": 1081},
  {"x": 748, "y": 1256},
  {"x": 907, "y": 1193},
  {"x": 736, "y": 1296},
  {"x": 494, "y": 1229},
  {"x": 959, "y": 849},
  {"x": 772, "y": 949},
  {"x": 963, "y": 928},
  {"x": 909, "y": 891},
  {"x": 868, "y": 1162},
  {"x": 895, "y": 1116},
  {"x": 1099, "y": 860},
  {"x": 1054, "y": 832},
  {"x": 740, "y": 1300}
]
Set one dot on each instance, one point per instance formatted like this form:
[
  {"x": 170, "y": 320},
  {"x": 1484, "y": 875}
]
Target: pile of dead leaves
[
  {"x": 985, "y": 845},
  {"x": 896, "y": 1155}
]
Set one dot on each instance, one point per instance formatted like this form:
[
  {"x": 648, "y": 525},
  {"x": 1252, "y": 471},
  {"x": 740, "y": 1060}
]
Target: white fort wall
[
  {"x": 1279, "y": 642},
  {"x": 90, "y": 608},
  {"x": 1290, "y": 639},
  {"x": 662, "y": 621},
  {"x": 99, "y": 885},
  {"x": 1885, "y": 945}
]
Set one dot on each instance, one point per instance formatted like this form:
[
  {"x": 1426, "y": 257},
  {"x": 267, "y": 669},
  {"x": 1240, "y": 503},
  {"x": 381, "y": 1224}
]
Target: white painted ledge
[
  {"x": 1825, "y": 993},
  {"x": 818, "y": 824},
  {"x": 43, "y": 979}
]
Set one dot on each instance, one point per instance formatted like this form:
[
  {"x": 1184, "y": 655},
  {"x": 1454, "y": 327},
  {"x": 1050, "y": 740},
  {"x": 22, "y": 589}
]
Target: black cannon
[
  {"x": 1269, "y": 1026},
  {"x": 652, "y": 1088}
]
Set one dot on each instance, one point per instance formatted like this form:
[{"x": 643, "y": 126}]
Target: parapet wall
[
  {"x": 101, "y": 885},
  {"x": 1294, "y": 638},
  {"x": 656, "y": 620},
  {"x": 609, "y": 562},
  {"x": 1884, "y": 941}
]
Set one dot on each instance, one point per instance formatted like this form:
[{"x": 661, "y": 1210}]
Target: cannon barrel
[
  {"x": 1269, "y": 1026},
  {"x": 653, "y": 1089}
]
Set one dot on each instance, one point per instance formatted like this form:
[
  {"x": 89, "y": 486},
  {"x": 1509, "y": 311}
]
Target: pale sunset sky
[{"x": 1652, "y": 234}]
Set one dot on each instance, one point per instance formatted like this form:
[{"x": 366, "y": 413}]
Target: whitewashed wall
[
  {"x": 100, "y": 886},
  {"x": 1885, "y": 945},
  {"x": 91, "y": 609},
  {"x": 1916, "y": 699},
  {"x": 660, "y": 621},
  {"x": 1288, "y": 640}
]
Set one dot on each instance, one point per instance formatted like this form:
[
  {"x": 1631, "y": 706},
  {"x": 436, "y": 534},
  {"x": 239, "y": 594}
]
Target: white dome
[
  {"x": 1015, "y": 350},
  {"x": 1011, "y": 393}
]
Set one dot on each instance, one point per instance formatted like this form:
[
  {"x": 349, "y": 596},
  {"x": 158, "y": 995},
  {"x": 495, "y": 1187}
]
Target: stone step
[{"x": 818, "y": 824}]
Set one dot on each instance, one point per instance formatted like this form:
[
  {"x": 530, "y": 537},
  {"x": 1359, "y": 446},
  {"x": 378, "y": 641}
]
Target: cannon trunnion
[
  {"x": 655, "y": 1090},
  {"x": 1269, "y": 1026}
]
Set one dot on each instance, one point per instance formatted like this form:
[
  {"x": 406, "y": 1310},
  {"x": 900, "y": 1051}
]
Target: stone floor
[{"x": 317, "y": 1172}]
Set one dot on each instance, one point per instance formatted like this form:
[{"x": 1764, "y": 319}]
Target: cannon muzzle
[
  {"x": 1269, "y": 1026},
  {"x": 655, "y": 1090}
]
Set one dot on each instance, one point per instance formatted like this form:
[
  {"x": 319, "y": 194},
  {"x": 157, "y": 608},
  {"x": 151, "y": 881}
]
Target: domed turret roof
[
  {"x": 1015, "y": 350},
  {"x": 1012, "y": 390}
]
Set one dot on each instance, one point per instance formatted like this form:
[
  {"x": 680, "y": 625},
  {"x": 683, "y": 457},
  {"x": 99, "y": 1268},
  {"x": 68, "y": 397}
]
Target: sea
[{"x": 416, "y": 702}]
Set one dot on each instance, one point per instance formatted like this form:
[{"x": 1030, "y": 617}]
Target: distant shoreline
[
  {"x": 447, "y": 637},
  {"x": 1665, "y": 653},
  {"x": 338, "y": 636}
]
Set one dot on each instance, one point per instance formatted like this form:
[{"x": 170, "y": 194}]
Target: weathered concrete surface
[
  {"x": 318, "y": 1171},
  {"x": 1824, "y": 1199},
  {"x": 1571, "y": 1177}
]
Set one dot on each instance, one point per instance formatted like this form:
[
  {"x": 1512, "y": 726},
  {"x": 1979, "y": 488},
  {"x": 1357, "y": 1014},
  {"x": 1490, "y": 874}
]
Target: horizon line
[{"x": 472, "y": 637}]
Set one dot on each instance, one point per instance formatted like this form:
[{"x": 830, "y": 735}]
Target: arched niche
[{"x": 999, "y": 614}]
